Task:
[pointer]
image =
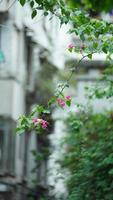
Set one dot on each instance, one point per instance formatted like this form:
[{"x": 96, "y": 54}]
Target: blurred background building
[
  {"x": 18, "y": 57},
  {"x": 31, "y": 54},
  {"x": 28, "y": 50}
]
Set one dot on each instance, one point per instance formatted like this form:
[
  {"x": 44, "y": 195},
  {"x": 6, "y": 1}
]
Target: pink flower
[
  {"x": 68, "y": 98},
  {"x": 71, "y": 46},
  {"x": 44, "y": 124},
  {"x": 35, "y": 121},
  {"x": 61, "y": 102}
]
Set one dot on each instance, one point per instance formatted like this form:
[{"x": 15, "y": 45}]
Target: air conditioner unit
[{"x": 4, "y": 5}]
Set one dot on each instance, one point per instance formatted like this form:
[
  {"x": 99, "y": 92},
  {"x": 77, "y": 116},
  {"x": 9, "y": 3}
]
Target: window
[{"x": 7, "y": 146}]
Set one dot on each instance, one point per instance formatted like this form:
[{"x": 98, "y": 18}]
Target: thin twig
[{"x": 72, "y": 72}]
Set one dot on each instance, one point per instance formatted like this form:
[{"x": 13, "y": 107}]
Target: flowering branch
[
  {"x": 33, "y": 122},
  {"x": 75, "y": 68}
]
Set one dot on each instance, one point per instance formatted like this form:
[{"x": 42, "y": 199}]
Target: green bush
[{"x": 89, "y": 156}]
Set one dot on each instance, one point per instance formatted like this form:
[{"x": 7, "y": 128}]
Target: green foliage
[
  {"x": 87, "y": 28},
  {"x": 103, "y": 88},
  {"x": 96, "y": 32},
  {"x": 97, "y": 6},
  {"x": 89, "y": 156},
  {"x": 103, "y": 5},
  {"x": 25, "y": 123}
]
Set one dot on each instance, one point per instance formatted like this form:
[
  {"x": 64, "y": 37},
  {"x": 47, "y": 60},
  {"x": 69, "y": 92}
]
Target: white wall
[{"x": 12, "y": 99}]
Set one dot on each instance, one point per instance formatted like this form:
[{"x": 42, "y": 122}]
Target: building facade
[{"x": 26, "y": 47}]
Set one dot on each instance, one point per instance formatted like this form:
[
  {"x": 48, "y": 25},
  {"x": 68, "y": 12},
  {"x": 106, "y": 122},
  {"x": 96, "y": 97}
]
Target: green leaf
[
  {"x": 51, "y": 101},
  {"x": 34, "y": 110},
  {"x": 40, "y": 109},
  {"x": 95, "y": 45},
  {"x": 34, "y": 13},
  {"x": 89, "y": 56},
  {"x": 46, "y": 13},
  {"x": 46, "y": 111},
  {"x": 70, "y": 49},
  {"x": 22, "y": 2},
  {"x": 68, "y": 103},
  {"x": 82, "y": 37},
  {"x": 20, "y": 130},
  {"x": 32, "y": 4},
  {"x": 104, "y": 49}
]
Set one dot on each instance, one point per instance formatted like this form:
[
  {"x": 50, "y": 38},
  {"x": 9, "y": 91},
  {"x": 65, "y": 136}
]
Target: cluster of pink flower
[
  {"x": 42, "y": 122},
  {"x": 71, "y": 47},
  {"x": 68, "y": 98},
  {"x": 62, "y": 102}
]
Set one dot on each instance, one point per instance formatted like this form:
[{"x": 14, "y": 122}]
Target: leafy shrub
[{"x": 89, "y": 156}]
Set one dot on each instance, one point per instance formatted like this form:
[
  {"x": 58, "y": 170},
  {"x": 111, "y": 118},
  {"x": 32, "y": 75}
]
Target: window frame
[{"x": 8, "y": 160}]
